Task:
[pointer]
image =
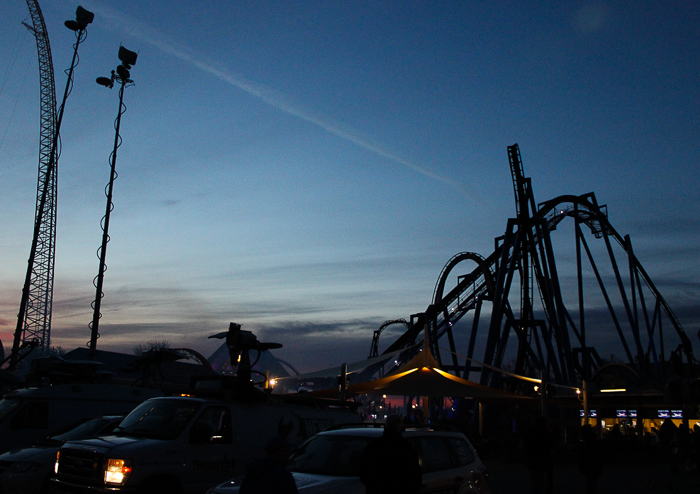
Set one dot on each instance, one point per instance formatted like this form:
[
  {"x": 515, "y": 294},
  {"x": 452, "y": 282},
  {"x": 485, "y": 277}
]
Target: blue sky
[{"x": 307, "y": 168}]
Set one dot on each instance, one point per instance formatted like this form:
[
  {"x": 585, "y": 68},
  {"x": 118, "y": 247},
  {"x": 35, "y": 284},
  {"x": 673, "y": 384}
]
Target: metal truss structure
[
  {"x": 38, "y": 289},
  {"x": 516, "y": 310},
  {"x": 34, "y": 316}
]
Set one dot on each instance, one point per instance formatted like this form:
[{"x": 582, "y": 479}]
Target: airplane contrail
[{"x": 159, "y": 40}]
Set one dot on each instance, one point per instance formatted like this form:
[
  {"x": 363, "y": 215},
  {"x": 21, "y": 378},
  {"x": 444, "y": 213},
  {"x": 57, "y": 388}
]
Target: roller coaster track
[{"x": 548, "y": 339}]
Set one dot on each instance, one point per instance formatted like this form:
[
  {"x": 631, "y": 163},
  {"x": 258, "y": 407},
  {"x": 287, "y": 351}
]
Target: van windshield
[{"x": 158, "y": 419}]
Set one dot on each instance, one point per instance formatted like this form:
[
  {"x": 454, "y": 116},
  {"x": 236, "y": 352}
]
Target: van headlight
[{"x": 117, "y": 471}]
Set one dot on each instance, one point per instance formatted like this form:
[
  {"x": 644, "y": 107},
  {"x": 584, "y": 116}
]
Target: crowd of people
[
  {"x": 540, "y": 444},
  {"x": 683, "y": 444}
]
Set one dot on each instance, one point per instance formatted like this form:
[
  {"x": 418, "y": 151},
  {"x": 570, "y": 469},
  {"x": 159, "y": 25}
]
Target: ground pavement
[{"x": 623, "y": 473}]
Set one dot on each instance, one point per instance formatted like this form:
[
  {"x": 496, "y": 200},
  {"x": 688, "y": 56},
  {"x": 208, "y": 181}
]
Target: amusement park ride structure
[{"x": 547, "y": 335}]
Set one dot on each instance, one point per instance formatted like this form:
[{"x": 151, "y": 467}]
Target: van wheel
[{"x": 160, "y": 485}]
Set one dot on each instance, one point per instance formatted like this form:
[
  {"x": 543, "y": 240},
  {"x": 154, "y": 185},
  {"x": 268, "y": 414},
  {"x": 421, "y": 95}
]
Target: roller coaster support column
[
  {"x": 543, "y": 394},
  {"x": 586, "y": 403},
  {"x": 343, "y": 382},
  {"x": 426, "y": 350}
]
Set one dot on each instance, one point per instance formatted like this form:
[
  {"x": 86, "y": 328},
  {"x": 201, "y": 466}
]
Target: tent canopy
[{"x": 421, "y": 376}]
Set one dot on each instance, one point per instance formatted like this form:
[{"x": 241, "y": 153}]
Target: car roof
[
  {"x": 378, "y": 431},
  {"x": 353, "y": 431}
]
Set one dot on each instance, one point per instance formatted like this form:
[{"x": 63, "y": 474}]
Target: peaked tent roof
[{"x": 421, "y": 376}]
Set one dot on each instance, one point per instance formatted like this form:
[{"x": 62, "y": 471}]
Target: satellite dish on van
[{"x": 240, "y": 343}]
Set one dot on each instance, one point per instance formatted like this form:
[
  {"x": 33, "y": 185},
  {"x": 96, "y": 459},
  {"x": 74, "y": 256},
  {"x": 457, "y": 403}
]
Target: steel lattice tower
[
  {"x": 37, "y": 316},
  {"x": 34, "y": 317}
]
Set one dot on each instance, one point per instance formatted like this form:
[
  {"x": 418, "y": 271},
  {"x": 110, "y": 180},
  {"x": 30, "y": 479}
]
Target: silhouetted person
[
  {"x": 666, "y": 433},
  {"x": 269, "y": 474},
  {"x": 616, "y": 433},
  {"x": 389, "y": 463},
  {"x": 590, "y": 461},
  {"x": 694, "y": 449},
  {"x": 539, "y": 447},
  {"x": 680, "y": 448}
]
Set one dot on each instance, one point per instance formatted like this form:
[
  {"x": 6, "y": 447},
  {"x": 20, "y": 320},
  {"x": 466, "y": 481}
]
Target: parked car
[
  {"x": 329, "y": 462},
  {"x": 31, "y": 414},
  {"x": 27, "y": 470}
]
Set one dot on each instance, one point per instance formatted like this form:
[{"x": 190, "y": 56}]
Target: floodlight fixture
[
  {"x": 106, "y": 81},
  {"x": 127, "y": 57},
  {"x": 123, "y": 72},
  {"x": 82, "y": 19},
  {"x": 84, "y": 16}
]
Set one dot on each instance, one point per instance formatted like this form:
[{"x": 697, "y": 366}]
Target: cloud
[
  {"x": 293, "y": 328},
  {"x": 330, "y": 343}
]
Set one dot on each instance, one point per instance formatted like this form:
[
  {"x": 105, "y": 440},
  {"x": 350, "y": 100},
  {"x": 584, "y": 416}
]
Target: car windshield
[
  {"x": 158, "y": 419},
  {"x": 330, "y": 455}
]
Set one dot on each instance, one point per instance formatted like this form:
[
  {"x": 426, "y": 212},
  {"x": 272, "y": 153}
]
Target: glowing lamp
[{"x": 117, "y": 471}]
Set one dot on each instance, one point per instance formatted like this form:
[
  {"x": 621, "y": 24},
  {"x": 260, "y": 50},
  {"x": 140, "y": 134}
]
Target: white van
[
  {"x": 31, "y": 414},
  {"x": 185, "y": 444}
]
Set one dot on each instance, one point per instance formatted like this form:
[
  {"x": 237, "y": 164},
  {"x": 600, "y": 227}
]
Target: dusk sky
[{"x": 306, "y": 168}]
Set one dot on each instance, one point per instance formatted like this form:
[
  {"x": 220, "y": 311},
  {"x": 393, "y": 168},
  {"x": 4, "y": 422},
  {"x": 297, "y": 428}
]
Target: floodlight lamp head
[
  {"x": 127, "y": 57},
  {"x": 123, "y": 73},
  {"x": 82, "y": 19}
]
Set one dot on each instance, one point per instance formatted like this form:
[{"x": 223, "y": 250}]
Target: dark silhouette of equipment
[
  {"x": 28, "y": 345},
  {"x": 240, "y": 343}
]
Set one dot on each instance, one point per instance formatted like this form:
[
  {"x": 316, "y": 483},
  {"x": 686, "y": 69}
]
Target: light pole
[{"x": 122, "y": 77}]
